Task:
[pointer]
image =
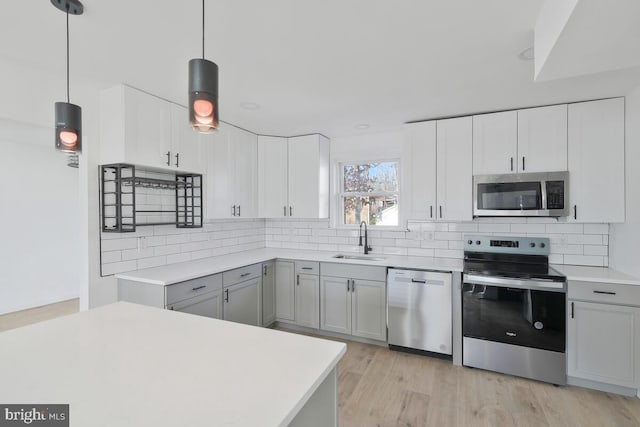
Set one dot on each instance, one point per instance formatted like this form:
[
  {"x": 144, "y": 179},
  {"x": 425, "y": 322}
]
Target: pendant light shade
[
  {"x": 203, "y": 95},
  {"x": 203, "y": 91},
  {"x": 68, "y": 116},
  {"x": 68, "y": 127}
]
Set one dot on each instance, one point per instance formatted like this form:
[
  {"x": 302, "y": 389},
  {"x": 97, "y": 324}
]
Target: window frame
[{"x": 341, "y": 194}]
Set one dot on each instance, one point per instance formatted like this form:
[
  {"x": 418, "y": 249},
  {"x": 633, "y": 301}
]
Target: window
[{"x": 369, "y": 192}]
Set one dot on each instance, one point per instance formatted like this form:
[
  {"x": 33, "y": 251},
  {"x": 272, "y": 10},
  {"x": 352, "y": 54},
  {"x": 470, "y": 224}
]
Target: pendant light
[
  {"x": 203, "y": 91},
  {"x": 68, "y": 116}
]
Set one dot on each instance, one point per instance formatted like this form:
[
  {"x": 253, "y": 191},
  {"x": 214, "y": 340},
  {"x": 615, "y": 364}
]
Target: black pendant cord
[
  {"x": 68, "y": 53},
  {"x": 202, "y": 29}
]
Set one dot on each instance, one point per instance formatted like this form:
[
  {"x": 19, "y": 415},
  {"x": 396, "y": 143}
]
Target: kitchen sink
[{"x": 359, "y": 257}]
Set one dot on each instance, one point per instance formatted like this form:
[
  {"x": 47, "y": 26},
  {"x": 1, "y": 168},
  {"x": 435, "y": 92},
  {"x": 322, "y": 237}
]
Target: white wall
[
  {"x": 40, "y": 246},
  {"x": 624, "y": 252},
  {"x": 28, "y": 96}
]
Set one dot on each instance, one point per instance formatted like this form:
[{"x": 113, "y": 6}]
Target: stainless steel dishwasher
[{"x": 419, "y": 310}]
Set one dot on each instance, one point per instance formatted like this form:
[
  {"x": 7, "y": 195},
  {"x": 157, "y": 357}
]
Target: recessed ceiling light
[
  {"x": 250, "y": 106},
  {"x": 527, "y": 54},
  {"x": 362, "y": 126}
]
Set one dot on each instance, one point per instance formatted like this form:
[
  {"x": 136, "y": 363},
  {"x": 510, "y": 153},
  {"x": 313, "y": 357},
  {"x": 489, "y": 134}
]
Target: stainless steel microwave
[{"x": 521, "y": 194}]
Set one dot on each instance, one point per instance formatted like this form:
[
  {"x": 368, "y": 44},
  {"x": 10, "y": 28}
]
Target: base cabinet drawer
[
  {"x": 608, "y": 293},
  {"x": 193, "y": 288},
  {"x": 604, "y": 343}
]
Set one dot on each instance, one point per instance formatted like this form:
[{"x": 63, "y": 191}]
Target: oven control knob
[
  {"x": 470, "y": 242},
  {"x": 532, "y": 244},
  {"x": 477, "y": 242},
  {"x": 542, "y": 245}
]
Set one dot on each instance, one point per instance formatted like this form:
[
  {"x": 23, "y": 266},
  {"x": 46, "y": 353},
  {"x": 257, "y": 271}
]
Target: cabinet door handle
[
  {"x": 226, "y": 295},
  {"x": 523, "y": 163},
  {"x": 168, "y": 158},
  {"x": 440, "y": 211},
  {"x": 171, "y": 308},
  {"x": 512, "y": 164},
  {"x": 197, "y": 288},
  {"x": 348, "y": 283},
  {"x": 284, "y": 212},
  {"x": 575, "y": 212},
  {"x": 239, "y": 211},
  {"x": 290, "y": 211},
  {"x": 177, "y": 160},
  {"x": 604, "y": 292},
  {"x": 572, "y": 312},
  {"x": 233, "y": 210},
  {"x": 264, "y": 270},
  {"x": 353, "y": 285},
  {"x": 298, "y": 280},
  {"x": 431, "y": 211}
]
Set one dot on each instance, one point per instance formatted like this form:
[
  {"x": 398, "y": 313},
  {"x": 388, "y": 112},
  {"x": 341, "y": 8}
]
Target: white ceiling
[{"x": 312, "y": 66}]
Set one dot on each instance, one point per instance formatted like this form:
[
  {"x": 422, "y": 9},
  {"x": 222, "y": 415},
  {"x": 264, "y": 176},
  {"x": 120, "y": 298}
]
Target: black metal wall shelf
[{"x": 118, "y": 190}]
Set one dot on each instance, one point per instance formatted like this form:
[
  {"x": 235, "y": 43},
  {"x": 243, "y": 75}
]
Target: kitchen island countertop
[{"x": 130, "y": 365}]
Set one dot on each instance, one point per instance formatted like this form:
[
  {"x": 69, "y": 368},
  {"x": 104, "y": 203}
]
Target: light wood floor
[
  {"x": 380, "y": 387},
  {"x": 38, "y": 314}
]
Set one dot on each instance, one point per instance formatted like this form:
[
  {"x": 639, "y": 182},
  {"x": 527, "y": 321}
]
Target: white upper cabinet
[
  {"x": 596, "y": 161},
  {"x": 420, "y": 178},
  {"x": 309, "y": 177},
  {"x": 294, "y": 178},
  {"x": 186, "y": 148},
  {"x": 528, "y": 140},
  {"x": 454, "y": 174},
  {"x": 272, "y": 177},
  {"x": 542, "y": 139},
  {"x": 144, "y": 130},
  {"x": 495, "y": 143},
  {"x": 231, "y": 181},
  {"x": 438, "y": 178}
]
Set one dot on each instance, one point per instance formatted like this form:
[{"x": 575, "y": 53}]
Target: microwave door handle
[{"x": 543, "y": 190}]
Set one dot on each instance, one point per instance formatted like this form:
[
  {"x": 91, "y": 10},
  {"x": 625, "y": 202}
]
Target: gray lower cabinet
[
  {"x": 268, "y": 293},
  {"x": 353, "y": 300},
  {"x": 285, "y": 291},
  {"x": 603, "y": 333},
  {"x": 297, "y": 293},
  {"x": 242, "y": 295},
  {"x": 201, "y": 296}
]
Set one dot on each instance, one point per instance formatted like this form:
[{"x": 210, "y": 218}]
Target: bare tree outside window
[{"x": 370, "y": 193}]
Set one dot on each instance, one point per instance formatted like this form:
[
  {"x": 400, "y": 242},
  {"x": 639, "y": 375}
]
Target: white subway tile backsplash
[
  {"x": 494, "y": 228},
  {"x": 118, "y": 245},
  {"x": 561, "y": 228},
  {"x": 172, "y": 259},
  {"x": 582, "y": 244},
  {"x": 596, "y": 250},
  {"x": 113, "y": 256},
  {"x": 465, "y": 227},
  {"x": 596, "y": 229},
  {"x": 152, "y": 262},
  {"x": 528, "y": 228},
  {"x": 597, "y": 261}
]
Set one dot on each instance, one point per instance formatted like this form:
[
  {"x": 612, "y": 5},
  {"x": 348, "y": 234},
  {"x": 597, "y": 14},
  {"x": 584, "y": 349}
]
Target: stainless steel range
[{"x": 513, "y": 308}]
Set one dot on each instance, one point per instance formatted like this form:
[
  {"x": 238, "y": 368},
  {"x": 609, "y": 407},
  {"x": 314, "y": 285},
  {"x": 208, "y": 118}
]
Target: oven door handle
[{"x": 507, "y": 282}]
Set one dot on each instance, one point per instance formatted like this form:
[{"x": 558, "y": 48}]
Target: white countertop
[
  {"x": 174, "y": 273},
  {"x": 131, "y": 365},
  {"x": 596, "y": 274}
]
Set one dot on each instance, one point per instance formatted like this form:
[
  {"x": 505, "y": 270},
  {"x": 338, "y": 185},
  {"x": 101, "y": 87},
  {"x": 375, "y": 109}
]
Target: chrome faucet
[{"x": 367, "y": 248}]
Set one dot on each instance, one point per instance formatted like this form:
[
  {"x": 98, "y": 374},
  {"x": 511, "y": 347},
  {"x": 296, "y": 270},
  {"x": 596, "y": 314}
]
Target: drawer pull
[
  {"x": 307, "y": 268},
  {"x": 244, "y": 274},
  {"x": 604, "y": 292},
  {"x": 199, "y": 287}
]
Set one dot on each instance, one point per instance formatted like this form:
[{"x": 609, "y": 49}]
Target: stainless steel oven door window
[{"x": 512, "y": 312}]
